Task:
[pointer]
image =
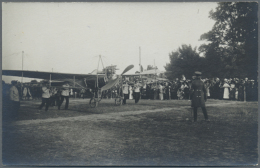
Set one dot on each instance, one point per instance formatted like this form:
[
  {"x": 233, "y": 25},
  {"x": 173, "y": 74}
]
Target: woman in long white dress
[
  {"x": 226, "y": 90},
  {"x": 161, "y": 91},
  {"x": 207, "y": 85},
  {"x": 130, "y": 92}
]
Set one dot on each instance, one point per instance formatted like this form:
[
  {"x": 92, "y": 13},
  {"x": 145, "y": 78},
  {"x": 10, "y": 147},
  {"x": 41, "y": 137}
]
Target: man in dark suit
[{"x": 198, "y": 96}]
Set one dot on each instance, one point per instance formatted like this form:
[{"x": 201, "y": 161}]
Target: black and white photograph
[{"x": 130, "y": 83}]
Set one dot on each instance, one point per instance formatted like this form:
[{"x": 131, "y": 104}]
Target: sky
[{"x": 70, "y": 37}]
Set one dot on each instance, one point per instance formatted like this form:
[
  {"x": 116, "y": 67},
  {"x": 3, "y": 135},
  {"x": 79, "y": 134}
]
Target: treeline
[{"x": 231, "y": 48}]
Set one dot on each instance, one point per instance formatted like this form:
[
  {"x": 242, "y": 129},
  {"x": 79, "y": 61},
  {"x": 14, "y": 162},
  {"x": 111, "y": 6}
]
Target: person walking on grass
[{"x": 198, "y": 96}]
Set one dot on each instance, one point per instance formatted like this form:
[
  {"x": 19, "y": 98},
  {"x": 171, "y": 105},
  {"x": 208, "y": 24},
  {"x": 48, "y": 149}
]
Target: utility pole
[
  {"x": 22, "y": 76},
  {"x": 140, "y": 67},
  {"x": 140, "y": 61},
  {"x": 22, "y": 66},
  {"x": 97, "y": 69}
]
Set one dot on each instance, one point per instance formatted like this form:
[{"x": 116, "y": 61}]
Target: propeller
[{"x": 127, "y": 69}]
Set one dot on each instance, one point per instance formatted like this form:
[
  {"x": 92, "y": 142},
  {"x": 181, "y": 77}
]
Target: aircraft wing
[
  {"x": 50, "y": 75},
  {"x": 78, "y": 79}
]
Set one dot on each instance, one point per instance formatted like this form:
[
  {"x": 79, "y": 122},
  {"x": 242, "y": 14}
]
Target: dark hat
[{"x": 197, "y": 73}]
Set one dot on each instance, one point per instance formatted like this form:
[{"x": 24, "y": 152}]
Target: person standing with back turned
[{"x": 198, "y": 96}]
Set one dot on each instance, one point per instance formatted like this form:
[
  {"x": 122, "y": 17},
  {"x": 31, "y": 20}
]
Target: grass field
[{"x": 152, "y": 132}]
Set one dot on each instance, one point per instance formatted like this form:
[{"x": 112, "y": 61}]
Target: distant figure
[
  {"x": 232, "y": 92},
  {"x": 137, "y": 88},
  {"x": 216, "y": 89},
  {"x": 65, "y": 94},
  {"x": 155, "y": 91},
  {"x": 161, "y": 88},
  {"x": 167, "y": 91},
  {"x": 54, "y": 96},
  {"x": 207, "y": 86},
  {"x": 241, "y": 91},
  {"x": 26, "y": 92},
  {"x": 130, "y": 92},
  {"x": 221, "y": 90},
  {"x": 14, "y": 102},
  {"x": 82, "y": 93},
  {"x": 45, "y": 96},
  {"x": 71, "y": 92},
  {"x": 226, "y": 90},
  {"x": 148, "y": 91},
  {"x": 125, "y": 91},
  {"x": 198, "y": 96}
]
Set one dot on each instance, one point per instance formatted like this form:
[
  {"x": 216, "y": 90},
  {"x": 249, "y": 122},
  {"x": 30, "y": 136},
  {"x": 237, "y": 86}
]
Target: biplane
[{"x": 96, "y": 82}]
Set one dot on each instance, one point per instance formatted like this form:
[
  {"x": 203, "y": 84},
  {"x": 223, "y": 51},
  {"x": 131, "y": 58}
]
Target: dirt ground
[{"x": 150, "y": 133}]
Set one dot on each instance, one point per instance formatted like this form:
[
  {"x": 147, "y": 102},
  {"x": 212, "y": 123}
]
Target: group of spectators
[
  {"x": 31, "y": 91},
  {"x": 226, "y": 89},
  {"x": 50, "y": 96}
]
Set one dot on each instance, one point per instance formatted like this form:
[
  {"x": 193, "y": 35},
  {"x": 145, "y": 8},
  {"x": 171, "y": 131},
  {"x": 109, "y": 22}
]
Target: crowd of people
[{"x": 225, "y": 89}]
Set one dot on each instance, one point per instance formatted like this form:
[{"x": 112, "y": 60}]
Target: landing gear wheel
[{"x": 93, "y": 103}]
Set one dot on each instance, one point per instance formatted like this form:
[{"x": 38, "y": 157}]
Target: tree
[
  {"x": 149, "y": 67},
  {"x": 233, "y": 40},
  {"x": 184, "y": 61}
]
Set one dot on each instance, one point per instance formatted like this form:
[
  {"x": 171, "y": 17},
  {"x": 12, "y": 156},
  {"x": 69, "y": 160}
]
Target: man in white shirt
[
  {"x": 125, "y": 91},
  {"x": 65, "y": 95},
  {"x": 45, "y": 96}
]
